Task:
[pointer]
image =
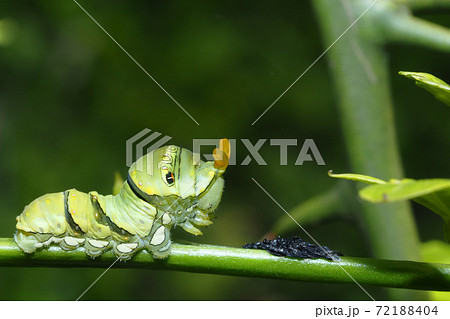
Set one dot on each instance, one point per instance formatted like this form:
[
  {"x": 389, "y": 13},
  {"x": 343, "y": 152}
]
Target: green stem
[
  {"x": 400, "y": 27},
  {"x": 359, "y": 66},
  {"x": 425, "y": 4},
  {"x": 248, "y": 263}
]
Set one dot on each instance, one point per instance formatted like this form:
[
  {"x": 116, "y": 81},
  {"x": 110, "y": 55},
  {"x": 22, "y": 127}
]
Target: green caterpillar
[{"x": 164, "y": 188}]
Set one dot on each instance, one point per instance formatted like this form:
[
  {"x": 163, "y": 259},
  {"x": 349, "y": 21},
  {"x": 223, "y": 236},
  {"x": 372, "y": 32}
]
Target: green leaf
[
  {"x": 396, "y": 190},
  {"x": 431, "y": 193},
  {"x": 118, "y": 183},
  {"x": 357, "y": 177},
  {"x": 432, "y": 84},
  {"x": 437, "y": 251}
]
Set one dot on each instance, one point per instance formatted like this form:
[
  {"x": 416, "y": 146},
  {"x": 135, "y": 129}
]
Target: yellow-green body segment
[{"x": 164, "y": 188}]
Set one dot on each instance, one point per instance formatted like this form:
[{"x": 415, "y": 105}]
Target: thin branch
[
  {"x": 426, "y": 4},
  {"x": 247, "y": 263},
  {"x": 405, "y": 28}
]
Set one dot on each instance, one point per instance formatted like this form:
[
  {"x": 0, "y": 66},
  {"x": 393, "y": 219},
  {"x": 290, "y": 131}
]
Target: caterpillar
[{"x": 165, "y": 188}]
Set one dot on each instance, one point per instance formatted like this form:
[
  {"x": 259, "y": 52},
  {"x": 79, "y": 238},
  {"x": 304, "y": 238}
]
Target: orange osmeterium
[{"x": 222, "y": 154}]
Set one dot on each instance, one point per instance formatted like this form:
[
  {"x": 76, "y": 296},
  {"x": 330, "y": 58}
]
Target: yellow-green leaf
[
  {"x": 432, "y": 84},
  {"x": 403, "y": 189},
  {"x": 118, "y": 183},
  {"x": 431, "y": 193},
  {"x": 357, "y": 177},
  {"x": 437, "y": 251}
]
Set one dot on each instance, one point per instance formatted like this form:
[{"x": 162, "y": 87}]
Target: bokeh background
[{"x": 70, "y": 98}]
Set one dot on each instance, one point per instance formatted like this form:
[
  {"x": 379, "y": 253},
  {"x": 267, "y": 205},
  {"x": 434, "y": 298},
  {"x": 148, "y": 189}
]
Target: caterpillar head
[{"x": 171, "y": 178}]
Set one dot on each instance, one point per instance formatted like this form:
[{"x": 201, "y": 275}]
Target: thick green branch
[
  {"x": 248, "y": 263},
  {"x": 359, "y": 66}
]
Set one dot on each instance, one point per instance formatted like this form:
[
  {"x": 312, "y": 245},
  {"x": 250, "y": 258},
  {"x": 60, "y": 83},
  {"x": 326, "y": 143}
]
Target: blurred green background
[{"x": 70, "y": 98}]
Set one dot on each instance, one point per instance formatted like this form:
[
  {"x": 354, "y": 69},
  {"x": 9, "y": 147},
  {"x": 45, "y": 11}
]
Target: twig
[
  {"x": 247, "y": 263},
  {"x": 426, "y": 4}
]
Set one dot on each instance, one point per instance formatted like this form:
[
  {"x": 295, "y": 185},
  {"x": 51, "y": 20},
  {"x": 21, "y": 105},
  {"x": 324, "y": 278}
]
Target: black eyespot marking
[{"x": 169, "y": 178}]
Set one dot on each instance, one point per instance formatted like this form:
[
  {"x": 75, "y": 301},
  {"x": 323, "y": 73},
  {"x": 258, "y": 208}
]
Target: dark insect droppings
[{"x": 294, "y": 247}]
